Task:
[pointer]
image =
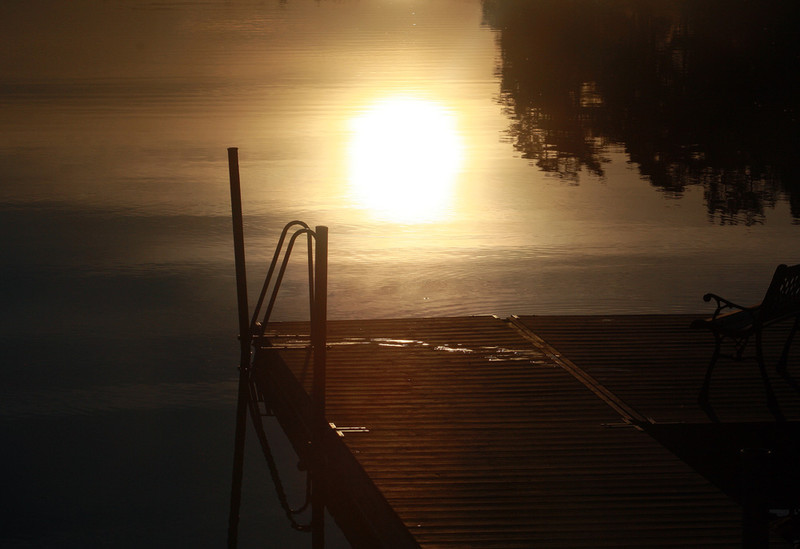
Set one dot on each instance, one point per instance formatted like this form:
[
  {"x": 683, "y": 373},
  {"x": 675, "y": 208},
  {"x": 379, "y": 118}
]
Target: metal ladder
[{"x": 251, "y": 332}]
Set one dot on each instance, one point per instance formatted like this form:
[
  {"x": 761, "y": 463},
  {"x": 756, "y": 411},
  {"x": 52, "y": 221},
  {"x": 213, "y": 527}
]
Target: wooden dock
[{"x": 536, "y": 431}]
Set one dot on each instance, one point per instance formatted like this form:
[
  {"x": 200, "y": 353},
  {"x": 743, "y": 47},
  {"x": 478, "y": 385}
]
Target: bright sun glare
[{"x": 405, "y": 154}]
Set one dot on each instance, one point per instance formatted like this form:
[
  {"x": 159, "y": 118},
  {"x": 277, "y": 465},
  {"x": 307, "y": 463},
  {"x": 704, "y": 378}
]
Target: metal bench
[{"x": 737, "y": 323}]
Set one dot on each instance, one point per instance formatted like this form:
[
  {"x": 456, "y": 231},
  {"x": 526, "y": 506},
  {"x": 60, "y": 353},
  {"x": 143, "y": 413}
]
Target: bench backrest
[{"x": 783, "y": 295}]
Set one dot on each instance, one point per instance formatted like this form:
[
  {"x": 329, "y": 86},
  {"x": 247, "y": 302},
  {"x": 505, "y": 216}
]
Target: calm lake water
[{"x": 469, "y": 157}]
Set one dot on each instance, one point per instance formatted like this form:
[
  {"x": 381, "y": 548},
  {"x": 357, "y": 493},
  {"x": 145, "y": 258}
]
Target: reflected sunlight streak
[{"x": 404, "y": 156}]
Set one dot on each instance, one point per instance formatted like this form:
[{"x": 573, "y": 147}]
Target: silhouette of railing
[
  {"x": 257, "y": 328},
  {"x": 317, "y": 297}
]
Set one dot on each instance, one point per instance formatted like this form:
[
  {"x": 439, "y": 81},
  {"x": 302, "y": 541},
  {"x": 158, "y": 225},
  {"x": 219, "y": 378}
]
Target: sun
[{"x": 404, "y": 156}]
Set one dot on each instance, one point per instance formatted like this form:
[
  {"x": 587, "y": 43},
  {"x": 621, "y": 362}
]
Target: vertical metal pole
[
  {"x": 244, "y": 341},
  {"x": 320, "y": 329}
]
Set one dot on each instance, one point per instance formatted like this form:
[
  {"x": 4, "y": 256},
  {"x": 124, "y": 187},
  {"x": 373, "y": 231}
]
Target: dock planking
[{"x": 533, "y": 431}]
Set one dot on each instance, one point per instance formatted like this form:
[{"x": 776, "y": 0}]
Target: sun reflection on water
[{"x": 404, "y": 156}]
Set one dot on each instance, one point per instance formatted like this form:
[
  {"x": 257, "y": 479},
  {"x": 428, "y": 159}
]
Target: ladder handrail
[
  {"x": 256, "y": 329},
  {"x": 271, "y": 270}
]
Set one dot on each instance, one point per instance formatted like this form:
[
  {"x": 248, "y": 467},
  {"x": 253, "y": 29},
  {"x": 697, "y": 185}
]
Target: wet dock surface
[{"x": 535, "y": 431}]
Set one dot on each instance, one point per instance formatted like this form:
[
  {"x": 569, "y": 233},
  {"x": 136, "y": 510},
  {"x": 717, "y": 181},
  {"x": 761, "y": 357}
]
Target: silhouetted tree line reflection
[{"x": 697, "y": 92}]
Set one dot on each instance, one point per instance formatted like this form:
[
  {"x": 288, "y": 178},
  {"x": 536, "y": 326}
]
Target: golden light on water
[{"x": 404, "y": 156}]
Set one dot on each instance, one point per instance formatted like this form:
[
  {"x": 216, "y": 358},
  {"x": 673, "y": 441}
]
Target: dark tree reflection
[{"x": 697, "y": 92}]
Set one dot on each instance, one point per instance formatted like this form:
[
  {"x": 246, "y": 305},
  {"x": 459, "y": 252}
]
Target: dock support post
[
  {"x": 244, "y": 342},
  {"x": 319, "y": 341}
]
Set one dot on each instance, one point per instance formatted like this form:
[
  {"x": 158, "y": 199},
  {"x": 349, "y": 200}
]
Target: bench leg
[
  {"x": 772, "y": 401},
  {"x": 703, "y": 398},
  {"x": 785, "y": 355}
]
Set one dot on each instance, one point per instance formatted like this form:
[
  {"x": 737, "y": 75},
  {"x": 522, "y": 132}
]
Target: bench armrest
[{"x": 723, "y": 304}]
